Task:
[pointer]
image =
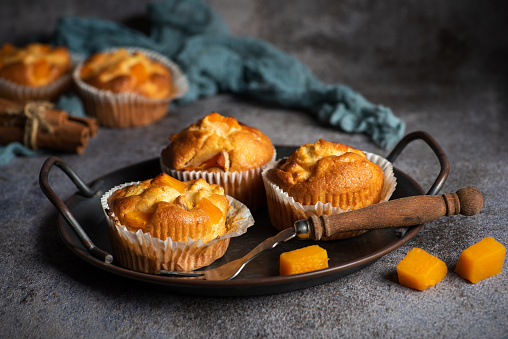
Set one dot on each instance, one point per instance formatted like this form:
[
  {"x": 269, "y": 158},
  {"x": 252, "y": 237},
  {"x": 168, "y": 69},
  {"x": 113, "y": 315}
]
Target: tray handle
[
  {"x": 62, "y": 208},
  {"x": 436, "y": 148}
]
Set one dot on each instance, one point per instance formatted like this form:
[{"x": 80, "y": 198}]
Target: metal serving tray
[{"x": 82, "y": 227}]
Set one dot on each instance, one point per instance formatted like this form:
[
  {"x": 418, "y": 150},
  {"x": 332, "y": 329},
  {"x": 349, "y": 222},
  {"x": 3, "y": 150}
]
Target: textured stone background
[{"x": 440, "y": 66}]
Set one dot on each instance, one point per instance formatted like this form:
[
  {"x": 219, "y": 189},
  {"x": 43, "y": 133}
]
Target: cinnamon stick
[
  {"x": 59, "y": 130},
  {"x": 56, "y": 117},
  {"x": 92, "y": 123},
  {"x": 73, "y": 137}
]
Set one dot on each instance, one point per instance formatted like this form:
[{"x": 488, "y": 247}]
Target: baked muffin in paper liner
[
  {"x": 50, "y": 92},
  {"x": 245, "y": 186},
  {"x": 284, "y": 211},
  {"x": 141, "y": 252},
  {"x": 129, "y": 109}
]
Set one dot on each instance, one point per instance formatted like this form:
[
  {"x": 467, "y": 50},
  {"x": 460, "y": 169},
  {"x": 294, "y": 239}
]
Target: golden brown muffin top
[
  {"x": 33, "y": 65},
  {"x": 164, "y": 206},
  {"x": 218, "y": 143},
  {"x": 122, "y": 71},
  {"x": 323, "y": 171}
]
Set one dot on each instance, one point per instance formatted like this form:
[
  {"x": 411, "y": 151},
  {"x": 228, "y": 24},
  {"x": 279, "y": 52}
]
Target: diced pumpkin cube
[
  {"x": 420, "y": 270},
  {"x": 165, "y": 179},
  {"x": 481, "y": 260},
  {"x": 213, "y": 211},
  {"x": 137, "y": 219},
  {"x": 307, "y": 259}
]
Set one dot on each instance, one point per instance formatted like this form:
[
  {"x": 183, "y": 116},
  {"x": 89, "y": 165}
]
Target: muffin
[
  {"x": 224, "y": 152},
  {"x": 166, "y": 224},
  {"x": 325, "y": 178},
  {"x": 34, "y": 72},
  {"x": 128, "y": 87}
]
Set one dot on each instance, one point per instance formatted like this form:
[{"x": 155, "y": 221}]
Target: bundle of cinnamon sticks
[{"x": 38, "y": 125}]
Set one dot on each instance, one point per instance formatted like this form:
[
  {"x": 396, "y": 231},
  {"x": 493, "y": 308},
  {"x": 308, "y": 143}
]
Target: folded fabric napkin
[{"x": 194, "y": 36}]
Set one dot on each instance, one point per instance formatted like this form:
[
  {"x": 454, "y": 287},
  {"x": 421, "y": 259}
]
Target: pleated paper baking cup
[
  {"x": 284, "y": 211},
  {"x": 245, "y": 186},
  {"x": 20, "y": 93},
  {"x": 129, "y": 109},
  {"x": 141, "y": 252}
]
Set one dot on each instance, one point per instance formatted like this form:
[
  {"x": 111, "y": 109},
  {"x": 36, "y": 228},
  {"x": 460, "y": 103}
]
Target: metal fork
[{"x": 232, "y": 269}]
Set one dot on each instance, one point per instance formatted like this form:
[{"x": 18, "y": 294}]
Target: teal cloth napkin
[{"x": 194, "y": 36}]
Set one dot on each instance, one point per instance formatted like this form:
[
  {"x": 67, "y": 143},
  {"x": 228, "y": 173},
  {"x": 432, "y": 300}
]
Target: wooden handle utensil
[{"x": 409, "y": 211}]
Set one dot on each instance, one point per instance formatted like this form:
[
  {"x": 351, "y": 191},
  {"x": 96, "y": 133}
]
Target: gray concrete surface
[{"x": 441, "y": 67}]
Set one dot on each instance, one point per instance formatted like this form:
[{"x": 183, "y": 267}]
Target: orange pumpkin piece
[
  {"x": 230, "y": 122},
  {"x": 164, "y": 179},
  {"x": 307, "y": 259},
  {"x": 139, "y": 72},
  {"x": 41, "y": 69},
  {"x": 219, "y": 161},
  {"x": 481, "y": 260},
  {"x": 213, "y": 211},
  {"x": 137, "y": 219},
  {"x": 420, "y": 270}
]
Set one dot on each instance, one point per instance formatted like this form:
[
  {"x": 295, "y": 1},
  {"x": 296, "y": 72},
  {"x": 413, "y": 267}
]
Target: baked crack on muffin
[
  {"x": 325, "y": 178},
  {"x": 223, "y": 151},
  {"x": 218, "y": 143},
  {"x": 329, "y": 172}
]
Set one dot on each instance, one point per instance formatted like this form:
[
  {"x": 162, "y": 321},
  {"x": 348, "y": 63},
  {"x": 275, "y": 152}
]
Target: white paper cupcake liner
[
  {"x": 245, "y": 186},
  {"x": 141, "y": 252},
  {"x": 129, "y": 109},
  {"x": 20, "y": 93},
  {"x": 284, "y": 211}
]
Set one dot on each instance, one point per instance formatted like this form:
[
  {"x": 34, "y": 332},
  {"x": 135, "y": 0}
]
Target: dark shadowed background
[{"x": 424, "y": 40}]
